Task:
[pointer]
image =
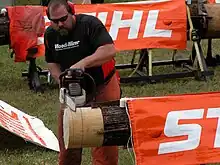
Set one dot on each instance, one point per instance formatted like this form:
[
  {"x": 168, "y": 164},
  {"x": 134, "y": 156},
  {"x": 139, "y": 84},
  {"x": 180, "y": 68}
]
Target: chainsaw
[{"x": 72, "y": 92}]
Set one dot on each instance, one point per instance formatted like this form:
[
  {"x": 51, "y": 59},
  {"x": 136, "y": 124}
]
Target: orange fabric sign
[
  {"x": 212, "y": 1},
  {"x": 136, "y": 26},
  {"x": 26, "y": 25},
  {"x": 181, "y": 129},
  {"x": 159, "y": 24}
]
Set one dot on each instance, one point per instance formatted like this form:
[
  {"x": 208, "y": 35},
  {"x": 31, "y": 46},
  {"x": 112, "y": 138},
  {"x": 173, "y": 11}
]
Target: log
[
  {"x": 207, "y": 26},
  {"x": 95, "y": 127},
  {"x": 213, "y": 29}
]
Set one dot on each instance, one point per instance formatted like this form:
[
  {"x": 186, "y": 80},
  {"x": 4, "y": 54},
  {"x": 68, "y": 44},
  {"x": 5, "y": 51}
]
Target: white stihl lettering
[
  {"x": 192, "y": 131},
  {"x": 103, "y": 17},
  {"x": 150, "y": 28},
  {"x": 172, "y": 129},
  {"x": 215, "y": 113},
  {"x": 133, "y": 24},
  {"x": 47, "y": 21}
]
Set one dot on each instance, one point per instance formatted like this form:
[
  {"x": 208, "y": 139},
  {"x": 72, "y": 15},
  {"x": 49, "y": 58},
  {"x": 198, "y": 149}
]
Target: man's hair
[{"x": 53, "y": 4}]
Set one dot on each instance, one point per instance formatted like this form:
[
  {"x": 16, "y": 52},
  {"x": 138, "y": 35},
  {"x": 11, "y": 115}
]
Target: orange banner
[
  {"x": 213, "y": 1},
  {"x": 150, "y": 24},
  {"x": 176, "y": 130},
  {"x": 136, "y": 26}
]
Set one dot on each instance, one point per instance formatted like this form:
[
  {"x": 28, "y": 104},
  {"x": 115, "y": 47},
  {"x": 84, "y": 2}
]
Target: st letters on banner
[{"x": 179, "y": 129}]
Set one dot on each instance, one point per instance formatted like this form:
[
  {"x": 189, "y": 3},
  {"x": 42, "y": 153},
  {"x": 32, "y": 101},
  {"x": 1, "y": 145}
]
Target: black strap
[{"x": 110, "y": 75}]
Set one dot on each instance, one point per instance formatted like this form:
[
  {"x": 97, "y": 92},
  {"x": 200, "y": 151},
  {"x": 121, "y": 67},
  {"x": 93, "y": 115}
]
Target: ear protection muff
[{"x": 68, "y": 9}]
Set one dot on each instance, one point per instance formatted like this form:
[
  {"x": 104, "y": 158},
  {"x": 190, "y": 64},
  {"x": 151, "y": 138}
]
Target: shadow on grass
[{"x": 11, "y": 142}]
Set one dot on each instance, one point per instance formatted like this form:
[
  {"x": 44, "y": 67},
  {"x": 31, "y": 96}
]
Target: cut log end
[
  {"x": 83, "y": 128},
  {"x": 67, "y": 129},
  {"x": 95, "y": 127}
]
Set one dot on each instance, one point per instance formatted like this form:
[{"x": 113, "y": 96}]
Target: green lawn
[{"x": 15, "y": 91}]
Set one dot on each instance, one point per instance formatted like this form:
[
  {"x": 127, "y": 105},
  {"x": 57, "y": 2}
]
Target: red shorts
[{"x": 100, "y": 155}]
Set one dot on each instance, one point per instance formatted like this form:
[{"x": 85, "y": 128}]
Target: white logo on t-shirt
[{"x": 67, "y": 45}]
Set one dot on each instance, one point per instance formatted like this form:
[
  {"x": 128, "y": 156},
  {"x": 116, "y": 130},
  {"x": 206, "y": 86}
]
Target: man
[{"x": 81, "y": 41}]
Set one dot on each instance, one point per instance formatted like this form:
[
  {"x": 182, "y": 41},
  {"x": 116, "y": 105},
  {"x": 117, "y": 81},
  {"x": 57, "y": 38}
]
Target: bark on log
[
  {"x": 213, "y": 30},
  {"x": 93, "y": 127},
  {"x": 207, "y": 26}
]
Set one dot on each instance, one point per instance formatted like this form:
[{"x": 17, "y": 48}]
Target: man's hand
[
  {"x": 101, "y": 55},
  {"x": 79, "y": 65},
  {"x": 55, "y": 71}
]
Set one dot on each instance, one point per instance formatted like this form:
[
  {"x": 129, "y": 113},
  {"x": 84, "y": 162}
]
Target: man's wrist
[{"x": 86, "y": 62}]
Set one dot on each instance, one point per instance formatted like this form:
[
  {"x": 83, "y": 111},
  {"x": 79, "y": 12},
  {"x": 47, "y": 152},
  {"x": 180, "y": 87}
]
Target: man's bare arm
[
  {"x": 101, "y": 55},
  {"x": 55, "y": 71}
]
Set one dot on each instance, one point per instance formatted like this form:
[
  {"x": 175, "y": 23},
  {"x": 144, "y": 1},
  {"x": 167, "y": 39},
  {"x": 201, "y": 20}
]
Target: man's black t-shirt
[{"x": 88, "y": 34}]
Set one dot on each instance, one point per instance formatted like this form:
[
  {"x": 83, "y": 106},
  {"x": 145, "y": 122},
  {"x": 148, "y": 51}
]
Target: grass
[{"x": 15, "y": 91}]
